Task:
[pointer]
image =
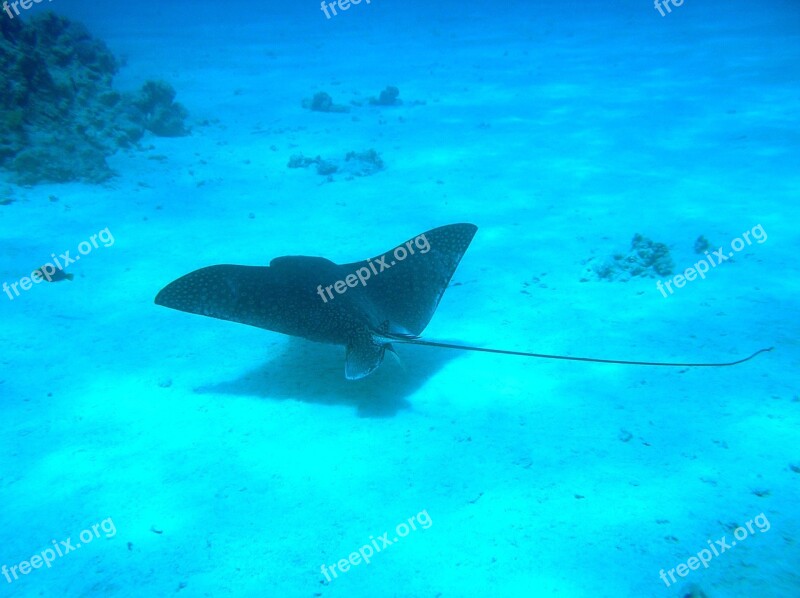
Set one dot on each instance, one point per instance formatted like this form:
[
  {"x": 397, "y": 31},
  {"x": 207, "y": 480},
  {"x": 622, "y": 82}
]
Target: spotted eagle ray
[{"x": 372, "y": 307}]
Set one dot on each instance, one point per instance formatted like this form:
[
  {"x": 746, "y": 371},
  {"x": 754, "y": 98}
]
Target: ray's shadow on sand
[{"x": 314, "y": 373}]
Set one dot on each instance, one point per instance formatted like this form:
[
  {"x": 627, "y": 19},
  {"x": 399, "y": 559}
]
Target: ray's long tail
[{"x": 417, "y": 341}]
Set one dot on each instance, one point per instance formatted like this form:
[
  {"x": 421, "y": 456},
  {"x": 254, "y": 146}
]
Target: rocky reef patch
[
  {"x": 60, "y": 117},
  {"x": 388, "y": 97},
  {"x": 354, "y": 164},
  {"x": 645, "y": 259},
  {"x": 323, "y": 102}
]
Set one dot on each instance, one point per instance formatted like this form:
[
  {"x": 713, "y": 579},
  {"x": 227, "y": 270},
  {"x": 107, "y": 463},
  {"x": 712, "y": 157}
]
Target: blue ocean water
[{"x": 632, "y": 171}]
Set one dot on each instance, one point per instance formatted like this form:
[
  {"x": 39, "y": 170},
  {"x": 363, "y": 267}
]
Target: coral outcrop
[
  {"x": 388, "y": 97},
  {"x": 323, "y": 102},
  {"x": 60, "y": 117},
  {"x": 646, "y": 259},
  {"x": 354, "y": 164}
]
